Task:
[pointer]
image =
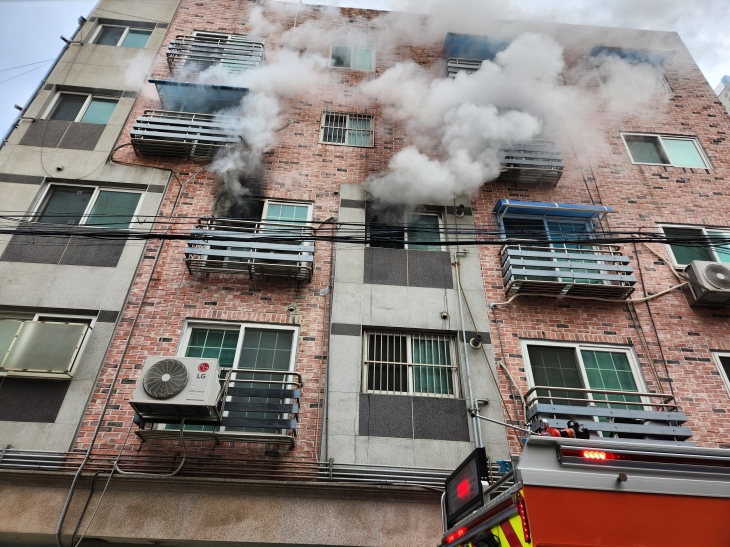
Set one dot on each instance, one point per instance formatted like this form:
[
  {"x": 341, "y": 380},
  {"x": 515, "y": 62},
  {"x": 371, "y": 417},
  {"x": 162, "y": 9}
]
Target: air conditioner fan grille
[
  {"x": 165, "y": 379},
  {"x": 718, "y": 276}
]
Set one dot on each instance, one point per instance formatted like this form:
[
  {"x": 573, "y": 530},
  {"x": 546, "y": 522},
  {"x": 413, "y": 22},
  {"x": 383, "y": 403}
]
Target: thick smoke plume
[{"x": 455, "y": 127}]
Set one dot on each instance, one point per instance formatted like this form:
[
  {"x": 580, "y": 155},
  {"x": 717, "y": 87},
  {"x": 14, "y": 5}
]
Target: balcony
[
  {"x": 535, "y": 162},
  {"x": 589, "y": 270},
  {"x": 183, "y": 134},
  {"x": 258, "y": 406},
  {"x": 454, "y": 66},
  {"x": 252, "y": 247},
  {"x": 205, "y": 50},
  {"x": 607, "y": 413},
  {"x": 465, "y": 52}
]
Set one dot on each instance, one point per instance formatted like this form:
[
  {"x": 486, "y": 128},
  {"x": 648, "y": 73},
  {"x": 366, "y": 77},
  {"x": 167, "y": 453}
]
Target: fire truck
[{"x": 591, "y": 492}]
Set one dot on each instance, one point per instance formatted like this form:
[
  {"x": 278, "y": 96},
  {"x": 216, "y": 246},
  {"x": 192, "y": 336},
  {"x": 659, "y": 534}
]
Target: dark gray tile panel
[
  {"x": 155, "y": 188},
  {"x": 31, "y": 399},
  {"x": 440, "y": 419},
  {"x": 107, "y": 316},
  {"x": 93, "y": 252},
  {"x": 129, "y": 94},
  {"x": 352, "y": 203},
  {"x": 126, "y": 23},
  {"x": 82, "y": 136},
  {"x": 429, "y": 269},
  {"x": 47, "y": 133},
  {"x": 386, "y": 266},
  {"x": 93, "y": 90},
  {"x": 387, "y": 416},
  {"x": 346, "y": 329},
  {"x": 20, "y": 179},
  {"x": 37, "y": 250}
]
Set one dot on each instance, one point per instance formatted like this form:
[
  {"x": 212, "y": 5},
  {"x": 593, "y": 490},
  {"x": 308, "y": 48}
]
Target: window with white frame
[
  {"x": 347, "y": 129},
  {"x": 356, "y": 58},
  {"x": 41, "y": 344},
  {"x": 723, "y": 365},
  {"x": 83, "y": 108},
  {"x": 393, "y": 227},
  {"x": 399, "y": 363},
  {"x": 631, "y": 68},
  {"x": 677, "y": 151},
  {"x": 688, "y": 243},
  {"x": 248, "y": 346},
  {"x": 587, "y": 371},
  {"x": 121, "y": 36},
  {"x": 88, "y": 206}
]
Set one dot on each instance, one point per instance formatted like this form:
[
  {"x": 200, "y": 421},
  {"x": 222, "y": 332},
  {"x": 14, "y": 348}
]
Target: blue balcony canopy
[
  {"x": 467, "y": 46},
  {"x": 635, "y": 56},
  {"x": 547, "y": 209},
  {"x": 197, "y": 98}
]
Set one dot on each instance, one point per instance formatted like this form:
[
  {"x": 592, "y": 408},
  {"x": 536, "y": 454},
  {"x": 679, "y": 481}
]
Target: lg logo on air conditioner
[{"x": 202, "y": 369}]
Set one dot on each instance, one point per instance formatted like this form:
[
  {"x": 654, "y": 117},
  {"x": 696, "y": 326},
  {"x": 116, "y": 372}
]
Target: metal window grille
[
  {"x": 347, "y": 129},
  {"x": 410, "y": 364}
]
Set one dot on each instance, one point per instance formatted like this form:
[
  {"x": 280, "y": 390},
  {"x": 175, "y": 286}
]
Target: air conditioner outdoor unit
[
  {"x": 711, "y": 284},
  {"x": 173, "y": 388}
]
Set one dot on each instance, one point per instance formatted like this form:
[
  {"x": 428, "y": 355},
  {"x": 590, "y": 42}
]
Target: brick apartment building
[{"x": 366, "y": 335}]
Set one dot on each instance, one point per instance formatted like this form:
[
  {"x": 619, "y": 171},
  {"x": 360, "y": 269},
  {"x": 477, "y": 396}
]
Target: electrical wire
[
  {"x": 23, "y": 66},
  {"x": 21, "y": 74}
]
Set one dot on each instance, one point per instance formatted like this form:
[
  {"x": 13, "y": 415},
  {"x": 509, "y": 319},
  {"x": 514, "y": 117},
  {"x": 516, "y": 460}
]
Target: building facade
[{"x": 222, "y": 215}]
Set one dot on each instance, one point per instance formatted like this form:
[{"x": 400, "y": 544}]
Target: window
[
  {"x": 248, "y": 347},
  {"x": 583, "y": 367},
  {"x": 111, "y": 35},
  {"x": 394, "y": 228},
  {"x": 664, "y": 150},
  {"x": 41, "y": 344},
  {"x": 352, "y": 57},
  {"x": 410, "y": 364},
  {"x": 346, "y": 129},
  {"x": 723, "y": 365},
  {"x": 688, "y": 243},
  {"x": 88, "y": 206},
  {"x": 630, "y": 68},
  {"x": 73, "y": 107}
]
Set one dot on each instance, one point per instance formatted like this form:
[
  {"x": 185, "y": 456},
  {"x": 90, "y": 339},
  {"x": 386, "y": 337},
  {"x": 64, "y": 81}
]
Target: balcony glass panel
[{"x": 44, "y": 347}]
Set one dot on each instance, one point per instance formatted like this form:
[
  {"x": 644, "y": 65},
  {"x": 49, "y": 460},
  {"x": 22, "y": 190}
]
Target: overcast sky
[{"x": 30, "y": 30}]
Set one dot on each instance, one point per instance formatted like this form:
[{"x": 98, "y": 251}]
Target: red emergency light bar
[
  {"x": 640, "y": 459},
  {"x": 456, "y": 535}
]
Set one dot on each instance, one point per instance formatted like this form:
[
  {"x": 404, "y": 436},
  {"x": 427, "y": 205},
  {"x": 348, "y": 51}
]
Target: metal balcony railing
[
  {"x": 258, "y": 406},
  {"x": 454, "y": 66},
  {"x": 534, "y": 162},
  {"x": 589, "y": 270},
  {"x": 183, "y": 134},
  {"x": 281, "y": 249},
  {"x": 200, "y": 52},
  {"x": 622, "y": 414}
]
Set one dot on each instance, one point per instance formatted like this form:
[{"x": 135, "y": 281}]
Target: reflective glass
[
  {"x": 113, "y": 209},
  {"x": 8, "y": 330},
  {"x": 645, "y": 149},
  {"x": 66, "y": 204},
  {"x": 555, "y": 367},
  {"x": 684, "y": 254},
  {"x": 683, "y": 153},
  {"x": 109, "y": 36},
  {"x": 423, "y": 228},
  {"x": 99, "y": 111},
  {"x": 362, "y": 59},
  {"x": 68, "y": 107},
  {"x": 45, "y": 347},
  {"x": 610, "y": 371},
  {"x": 721, "y": 244},
  {"x": 341, "y": 56},
  {"x": 136, "y": 38}
]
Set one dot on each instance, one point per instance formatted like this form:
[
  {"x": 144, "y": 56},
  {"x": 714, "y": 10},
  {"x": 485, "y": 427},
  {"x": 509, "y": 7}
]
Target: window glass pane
[
  {"x": 66, "y": 204},
  {"x": 136, "y": 38},
  {"x": 684, "y": 254},
  {"x": 645, "y": 149},
  {"x": 362, "y": 59},
  {"x": 113, "y": 209},
  {"x": 555, "y": 367},
  {"x": 423, "y": 228},
  {"x": 721, "y": 244},
  {"x": 334, "y": 128},
  {"x": 387, "y": 356},
  {"x": 45, "y": 347},
  {"x": 385, "y": 226},
  {"x": 68, "y": 107},
  {"x": 360, "y": 133},
  {"x": 8, "y": 330},
  {"x": 266, "y": 349},
  {"x": 610, "y": 371},
  {"x": 432, "y": 379},
  {"x": 725, "y": 363},
  {"x": 341, "y": 56},
  {"x": 213, "y": 343},
  {"x": 683, "y": 153},
  {"x": 99, "y": 111},
  {"x": 109, "y": 36}
]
